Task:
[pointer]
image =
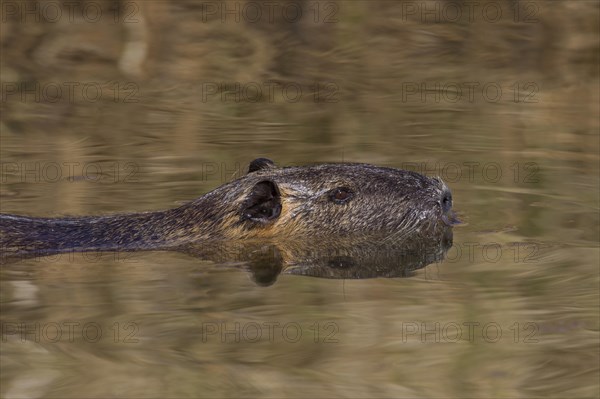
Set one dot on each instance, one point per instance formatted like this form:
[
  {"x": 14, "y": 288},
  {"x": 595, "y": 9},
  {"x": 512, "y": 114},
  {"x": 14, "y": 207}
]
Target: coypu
[{"x": 328, "y": 201}]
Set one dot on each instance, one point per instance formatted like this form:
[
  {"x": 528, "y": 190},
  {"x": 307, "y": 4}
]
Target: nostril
[{"x": 446, "y": 201}]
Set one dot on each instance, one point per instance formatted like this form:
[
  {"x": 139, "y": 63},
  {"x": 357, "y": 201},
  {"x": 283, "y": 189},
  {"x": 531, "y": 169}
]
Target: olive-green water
[{"x": 146, "y": 105}]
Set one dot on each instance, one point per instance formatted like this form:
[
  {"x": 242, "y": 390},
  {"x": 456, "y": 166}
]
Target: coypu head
[{"x": 335, "y": 200}]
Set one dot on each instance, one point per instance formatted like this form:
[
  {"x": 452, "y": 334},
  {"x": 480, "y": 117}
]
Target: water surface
[{"x": 512, "y": 311}]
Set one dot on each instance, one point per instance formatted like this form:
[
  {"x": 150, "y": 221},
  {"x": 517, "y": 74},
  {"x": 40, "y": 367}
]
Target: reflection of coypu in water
[
  {"x": 331, "y": 201},
  {"x": 351, "y": 258}
]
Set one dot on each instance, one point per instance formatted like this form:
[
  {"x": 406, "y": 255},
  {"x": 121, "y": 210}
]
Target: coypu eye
[{"x": 341, "y": 195}]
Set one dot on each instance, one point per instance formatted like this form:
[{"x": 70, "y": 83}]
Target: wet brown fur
[{"x": 385, "y": 201}]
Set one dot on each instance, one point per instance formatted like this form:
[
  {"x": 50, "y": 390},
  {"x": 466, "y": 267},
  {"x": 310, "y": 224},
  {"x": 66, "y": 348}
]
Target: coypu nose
[
  {"x": 448, "y": 215},
  {"x": 446, "y": 201}
]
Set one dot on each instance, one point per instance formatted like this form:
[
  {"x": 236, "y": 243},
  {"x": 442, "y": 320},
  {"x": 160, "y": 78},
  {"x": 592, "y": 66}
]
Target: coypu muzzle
[{"x": 448, "y": 215}]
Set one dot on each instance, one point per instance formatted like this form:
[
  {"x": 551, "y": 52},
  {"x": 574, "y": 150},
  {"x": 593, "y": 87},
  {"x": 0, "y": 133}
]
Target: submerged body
[{"x": 327, "y": 201}]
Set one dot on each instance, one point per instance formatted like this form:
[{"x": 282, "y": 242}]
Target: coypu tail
[{"x": 21, "y": 235}]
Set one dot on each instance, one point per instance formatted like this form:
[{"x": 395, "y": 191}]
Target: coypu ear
[
  {"x": 260, "y": 164},
  {"x": 263, "y": 204}
]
